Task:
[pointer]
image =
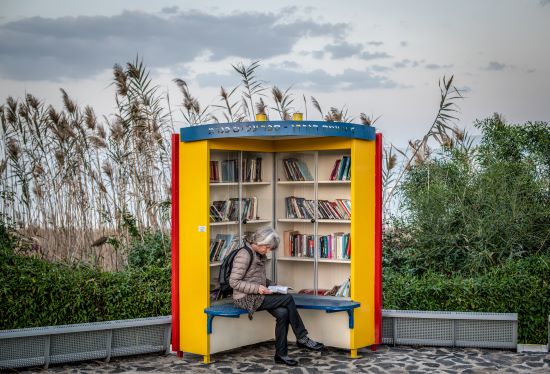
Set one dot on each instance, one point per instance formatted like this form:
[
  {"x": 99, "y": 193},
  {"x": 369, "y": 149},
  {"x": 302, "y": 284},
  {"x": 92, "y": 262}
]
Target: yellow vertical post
[
  {"x": 194, "y": 273},
  {"x": 362, "y": 242}
]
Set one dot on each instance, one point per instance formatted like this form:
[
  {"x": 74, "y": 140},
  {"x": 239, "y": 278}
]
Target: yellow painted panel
[
  {"x": 194, "y": 270},
  {"x": 311, "y": 144},
  {"x": 242, "y": 144},
  {"x": 362, "y": 240}
]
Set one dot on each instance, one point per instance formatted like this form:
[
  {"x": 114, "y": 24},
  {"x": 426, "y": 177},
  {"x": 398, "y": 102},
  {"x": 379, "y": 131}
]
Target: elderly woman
[{"x": 250, "y": 292}]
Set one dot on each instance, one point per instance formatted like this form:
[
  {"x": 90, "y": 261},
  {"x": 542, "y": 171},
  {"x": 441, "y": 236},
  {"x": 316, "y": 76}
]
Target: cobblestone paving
[{"x": 387, "y": 359}]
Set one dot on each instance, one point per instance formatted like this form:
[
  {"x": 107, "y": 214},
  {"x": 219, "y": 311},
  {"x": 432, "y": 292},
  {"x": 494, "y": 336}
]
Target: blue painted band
[{"x": 277, "y": 128}]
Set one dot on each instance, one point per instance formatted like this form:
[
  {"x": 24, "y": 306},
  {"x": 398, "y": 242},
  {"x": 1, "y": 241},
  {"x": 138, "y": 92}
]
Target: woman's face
[{"x": 262, "y": 249}]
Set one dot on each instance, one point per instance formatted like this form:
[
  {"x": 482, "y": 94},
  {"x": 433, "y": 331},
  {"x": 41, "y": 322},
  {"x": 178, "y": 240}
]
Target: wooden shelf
[
  {"x": 224, "y": 223},
  {"x": 225, "y": 184},
  {"x": 319, "y": 182},
  {"x": 334, "y": 261},
  {"x": 256, "y": 183},
  {"x": 216, "y": 184},
  {"x": 334, "y": 221},
  {"x": 295, "y": 182},
  {"x": 335, "y": 182},
  {"x": 252, "y": 221},
  {"x": 307, "y": 220},
  {"x": 298, "y": 259}
]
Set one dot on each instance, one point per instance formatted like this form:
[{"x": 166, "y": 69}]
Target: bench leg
[
  {"x": 353, "y": 353},
  {"x": 206, "y": 359}
]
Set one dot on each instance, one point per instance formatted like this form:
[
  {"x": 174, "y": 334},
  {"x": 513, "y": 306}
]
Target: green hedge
[
  {"x": 519, "y": 286},
  {"x": 37, "y": 293}
]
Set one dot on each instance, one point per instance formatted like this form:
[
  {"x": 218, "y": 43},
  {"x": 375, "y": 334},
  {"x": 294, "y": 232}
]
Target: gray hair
[{"x": 266, "y": 236}]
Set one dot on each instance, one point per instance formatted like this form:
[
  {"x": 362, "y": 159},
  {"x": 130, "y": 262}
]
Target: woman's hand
[{"x": 263, "y": 290}]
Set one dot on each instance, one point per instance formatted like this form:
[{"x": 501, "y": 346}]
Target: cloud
[
  {"x": 496, "y": 66},
  {"x": 79, "y": 47},
  {"x": 436, "y": 66},
  {"x": 406, "y": 63},
  {"x": 170, "y": 9},
  {"x": 404, "y": 43},
  {"x": 544, "y": 2},
  {"x": 371, "y": 56},
  {"x": 379, "y": 68},
  {"x": 343, "y": 50},
  {"x": 375, "y": 43},
  {"x": 316, "y": 80}
]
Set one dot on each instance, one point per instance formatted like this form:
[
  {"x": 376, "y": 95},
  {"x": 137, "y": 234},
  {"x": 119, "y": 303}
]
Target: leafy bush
[
  {"x": 34, "y": 292},
  {"x": 152, "y": 248},
  {"x": 518, "y": 286},
  {"x": 465, "y": 214}
]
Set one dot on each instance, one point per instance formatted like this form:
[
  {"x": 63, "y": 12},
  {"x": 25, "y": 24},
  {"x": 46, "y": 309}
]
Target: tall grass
[
  {"x": 79, "y": 187},
  {"x": 76, "y": 185}
]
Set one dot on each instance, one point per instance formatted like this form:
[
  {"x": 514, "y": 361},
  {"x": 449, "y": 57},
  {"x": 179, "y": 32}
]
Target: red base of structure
[
  {"x": 179, "y": 354},
  {"x": 374, "y": 347}
]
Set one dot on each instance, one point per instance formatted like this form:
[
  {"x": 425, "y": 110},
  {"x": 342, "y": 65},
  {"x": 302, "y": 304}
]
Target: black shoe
[
  {"x": 285, "y": 360},
  {"x": 311, "y": 344}
]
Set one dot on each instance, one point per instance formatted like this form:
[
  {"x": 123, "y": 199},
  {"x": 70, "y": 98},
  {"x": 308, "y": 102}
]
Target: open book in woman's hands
[{"x": 279, "y": 289}]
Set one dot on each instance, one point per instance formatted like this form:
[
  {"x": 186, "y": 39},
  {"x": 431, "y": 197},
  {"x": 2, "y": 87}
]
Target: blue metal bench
[{"x": 327, "y": 304}]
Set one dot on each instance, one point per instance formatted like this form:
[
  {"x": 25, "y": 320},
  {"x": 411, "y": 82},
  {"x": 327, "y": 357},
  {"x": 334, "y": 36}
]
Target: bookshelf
[
  {"x": 319, "y": 188},
  {"x": 308, "y": 218},
  {"x": 240, "y": 199}
]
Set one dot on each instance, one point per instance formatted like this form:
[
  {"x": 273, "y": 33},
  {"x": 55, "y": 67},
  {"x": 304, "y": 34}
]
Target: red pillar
[{"x": 175, "y": 246}]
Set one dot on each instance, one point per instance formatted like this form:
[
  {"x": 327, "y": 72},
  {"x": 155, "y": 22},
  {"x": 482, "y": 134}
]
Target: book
[
  {"x": 214, "y": 171},
  {"x": 334, "y": 170},
  {"x": 279, "y": 289},
  {"x": 296, "y": 170}
]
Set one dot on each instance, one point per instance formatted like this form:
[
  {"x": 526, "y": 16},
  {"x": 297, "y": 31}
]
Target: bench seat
[{"x": 328, "y": 304}]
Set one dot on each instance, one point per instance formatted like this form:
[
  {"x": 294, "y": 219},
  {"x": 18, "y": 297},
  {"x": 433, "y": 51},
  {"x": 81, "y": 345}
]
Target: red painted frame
[
  {"x": 378, "y": 242},
  {"x": 175, "y": 245}
]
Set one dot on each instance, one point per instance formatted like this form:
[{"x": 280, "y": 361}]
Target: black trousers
[{"x": 282, "y": 307}]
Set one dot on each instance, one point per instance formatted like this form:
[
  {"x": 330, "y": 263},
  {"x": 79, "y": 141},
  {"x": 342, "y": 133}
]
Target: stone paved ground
[{"x": 387, "y": 359}]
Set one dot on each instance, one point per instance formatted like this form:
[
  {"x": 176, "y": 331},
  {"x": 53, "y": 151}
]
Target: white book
[{"x": 279, "y": 289}]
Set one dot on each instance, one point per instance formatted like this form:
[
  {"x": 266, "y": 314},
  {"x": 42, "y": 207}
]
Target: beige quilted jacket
[{"x": 249, "y": 282}]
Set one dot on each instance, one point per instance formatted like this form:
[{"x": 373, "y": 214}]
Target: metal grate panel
[
  {"x": 68, "y": 343},
  {"x": 22, "y": 352},
  {"x": 89, "y": 345},
  {"x": 423, "y": 331},
  {"x": 387, "y": 330},
  {"x": 483, "y": 333},
  {"x": 130, "y": 341}
]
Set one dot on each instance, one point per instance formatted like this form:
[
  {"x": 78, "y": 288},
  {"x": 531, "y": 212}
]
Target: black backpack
[{"x": 225, "y": 272}]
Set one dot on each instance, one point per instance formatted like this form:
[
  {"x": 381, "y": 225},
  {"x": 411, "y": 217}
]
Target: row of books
[
  {"x": 342, "y": 290},
  {"x": 334, "y": 246},
  {"x": 299, "y": 207},
  {"x": 296, "y": 170},
  {"x": 341, "y": 171},
  {"x": 228, "y": 210},
  {"x": 222, "y": 245},
  {"x": 252, "y": 170},
  {"x": 298, "y": 245}
]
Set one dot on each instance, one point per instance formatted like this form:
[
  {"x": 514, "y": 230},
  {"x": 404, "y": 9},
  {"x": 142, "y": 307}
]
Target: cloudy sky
[{"x": 381, "y": 58}]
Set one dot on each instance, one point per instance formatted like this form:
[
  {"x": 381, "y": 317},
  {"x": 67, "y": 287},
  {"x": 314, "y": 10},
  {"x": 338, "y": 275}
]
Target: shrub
[
  {"x": 34, "y": 292},
  {"x": 466, "y": 214},
  {"x": 518, "y": 286}
]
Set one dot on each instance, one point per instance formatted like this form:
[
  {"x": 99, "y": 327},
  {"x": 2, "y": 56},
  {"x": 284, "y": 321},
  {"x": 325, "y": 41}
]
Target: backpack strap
[{"x": 251, "y": 253}]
